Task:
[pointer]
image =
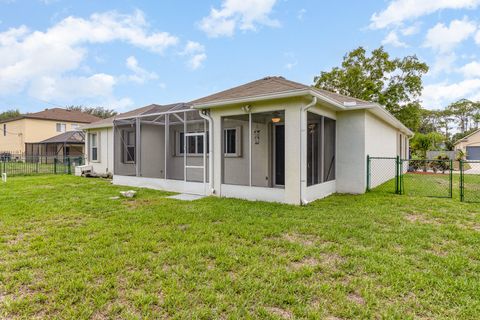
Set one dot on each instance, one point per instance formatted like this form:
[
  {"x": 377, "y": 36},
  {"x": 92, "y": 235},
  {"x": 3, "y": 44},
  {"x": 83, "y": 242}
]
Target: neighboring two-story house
[{"x": 19, "y": 132}]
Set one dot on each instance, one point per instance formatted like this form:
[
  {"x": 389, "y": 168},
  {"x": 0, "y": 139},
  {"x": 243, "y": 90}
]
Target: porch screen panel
[
  {"x": 175, "y": 160},
  {"x": 268, "y": 149},
  {"x": 196, "y": 145},
  {"x": 329, "y": 149},
  {"x": 321, "y": 146},
  {"x": 314, "y": 149},
  {"x": 235, "y": 150}
]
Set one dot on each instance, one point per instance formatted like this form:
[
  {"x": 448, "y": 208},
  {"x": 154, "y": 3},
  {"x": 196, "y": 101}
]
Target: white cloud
[
  {"x": 301, "y": 14},
  {"x": 241, "y": 14},
  {"x": 43, "y": 63},
  {"x": 477, "y": 37},
  {"x": 292, "y": 60},
  {"x": 392, "y": 39},
  {"x": 444, "y": 63},
  {"x": 444, "y": 38},
  {"x": 411, "y": 30},
  {"x": 139, "y": 75},
  {"x": 72, "y": 88},
  {"x": 471, "y": 70},
  {"x": 441, "y": 94},
  {"x": 399, "y": 11},
  {"x": 196, "y": 53}
]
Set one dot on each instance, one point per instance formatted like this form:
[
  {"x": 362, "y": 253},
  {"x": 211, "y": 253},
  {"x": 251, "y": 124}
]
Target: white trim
[
  {"x": 321, "y": 190},
  {"x": 253, "y": 193},
  {"x": 161, "y": 184}
]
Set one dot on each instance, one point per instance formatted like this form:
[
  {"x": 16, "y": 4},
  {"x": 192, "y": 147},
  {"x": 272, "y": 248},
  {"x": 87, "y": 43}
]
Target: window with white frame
[
  {"x": 128, "y": 146},
  {"x": 232, "y": 142},
  {"x": 75, "y": 126},
  {"x": 61, "y": 127},
  {"x": 94, "y": 146},
  {"x": 195, "y": 144}
]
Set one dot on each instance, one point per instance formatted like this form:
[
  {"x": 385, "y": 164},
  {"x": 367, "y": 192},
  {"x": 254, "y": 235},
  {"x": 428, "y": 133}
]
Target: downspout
[
  {"x": 205, "y": 114},
  {"x": 303, "y": 150}
]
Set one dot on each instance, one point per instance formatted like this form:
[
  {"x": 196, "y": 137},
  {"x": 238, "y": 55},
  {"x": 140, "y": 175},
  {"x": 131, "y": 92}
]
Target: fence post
[
  {"x": 462, "y": 196},
  {"x": 54, "y": 165},
  {"x": 397, "y": 175},
  {"x": 368, "y": 172},
  {"x": 451, "y": 178},
  {"x": 69, "y": 169}
]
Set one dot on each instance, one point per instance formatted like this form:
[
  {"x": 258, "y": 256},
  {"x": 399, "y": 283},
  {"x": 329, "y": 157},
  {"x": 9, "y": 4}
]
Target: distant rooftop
[{"x": 58, "y": 114}]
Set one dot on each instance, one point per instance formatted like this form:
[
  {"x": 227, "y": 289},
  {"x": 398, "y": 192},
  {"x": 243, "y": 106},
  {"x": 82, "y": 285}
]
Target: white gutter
[
  {"x": 303, "y": 149},
  {"x": 205, "y": 115}
]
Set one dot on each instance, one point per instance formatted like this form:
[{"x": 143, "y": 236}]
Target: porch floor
[{"x": 186, "y": 197}]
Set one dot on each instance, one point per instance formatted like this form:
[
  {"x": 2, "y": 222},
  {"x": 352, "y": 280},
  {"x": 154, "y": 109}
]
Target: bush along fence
[{"x": 35, "y": 166}]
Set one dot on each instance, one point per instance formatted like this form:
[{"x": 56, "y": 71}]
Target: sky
[{"x": 127, "y": 54}]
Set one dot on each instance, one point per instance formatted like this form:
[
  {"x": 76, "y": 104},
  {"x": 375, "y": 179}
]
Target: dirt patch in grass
[
  {"x": 139, "y": 203},
  {"x": 304, "y": 263},
  {"x": 356, "y": 298},
  {"x": 331, "y": 260},
  {"x": 298, "y": 238},
  {"x": 279, "y": 312},
  {"x": 420, "y": 218}
]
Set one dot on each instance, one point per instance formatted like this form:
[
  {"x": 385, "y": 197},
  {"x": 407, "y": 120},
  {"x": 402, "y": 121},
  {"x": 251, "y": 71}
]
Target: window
[
  {"x": 75, "y": 126},
  {"x": 232, "y": 142},
  {"x": 194, "y": 144},
  {"x": 129, "y": 146},
  {"x": 4, "y": 129},
  {"x": 94, "y": 146},
  {"x": 61, "y": 127}
]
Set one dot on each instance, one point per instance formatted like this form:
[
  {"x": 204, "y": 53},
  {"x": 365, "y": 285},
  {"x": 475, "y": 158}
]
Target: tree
[
  {"x": 95, "y": 111},
  {"x": 9, "y": 114},
  {"x": 393, "y": 83},
  {"x": 463, "y": 111}
]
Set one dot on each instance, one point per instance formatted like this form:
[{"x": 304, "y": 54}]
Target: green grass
[{"x": 68, "y": 251}]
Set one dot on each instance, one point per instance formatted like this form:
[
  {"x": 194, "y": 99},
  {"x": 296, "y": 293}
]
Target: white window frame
[
  {"x": 75, "y": 126},
  {"x": 61, "y": 125},
  {"x": 179, "y": 135},
  {"x": 126, "y": 146},
  {"x": 238, "y": 142},
  {"x": 97, "y": 145},
  {"x": 4, "y": 129}
]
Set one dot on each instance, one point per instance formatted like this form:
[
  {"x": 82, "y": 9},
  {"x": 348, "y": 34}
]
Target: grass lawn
[{"x": 68, "y": 251}]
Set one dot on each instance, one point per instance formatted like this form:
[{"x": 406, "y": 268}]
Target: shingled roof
[
  {"x": 108, "y": 122},
  {"x": 273, "y": 85},
  {"x": 69, "y": 137},
  {"x": 58, "y": 114}
]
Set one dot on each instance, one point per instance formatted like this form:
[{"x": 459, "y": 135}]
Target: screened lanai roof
[{"x": 69, "y": 137}]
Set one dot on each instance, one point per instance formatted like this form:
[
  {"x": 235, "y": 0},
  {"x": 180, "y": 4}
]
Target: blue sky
[{"x": 126, "y": 54}]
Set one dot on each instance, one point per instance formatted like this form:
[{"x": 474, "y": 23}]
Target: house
[
  {"x": 470, "y": 145},
  {"x": 271, "y": 139},
  {"x": 99, "y": 141},
  {"x": 18, "y": 132}
]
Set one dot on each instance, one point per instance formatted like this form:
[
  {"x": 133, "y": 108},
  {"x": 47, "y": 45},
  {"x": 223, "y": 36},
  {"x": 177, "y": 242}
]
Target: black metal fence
[{"x": 34, "y": 166}]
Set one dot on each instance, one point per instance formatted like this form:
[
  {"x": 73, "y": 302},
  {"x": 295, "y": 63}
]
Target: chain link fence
[
  {"x": 39, "y": 165},
  {"x": 430, "y": 178},
  {"x": 470, "y": 180}
]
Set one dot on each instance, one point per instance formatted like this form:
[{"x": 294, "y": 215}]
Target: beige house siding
[
  {"x": 14, "y": 140},
  {"x": 27, "y": 130},
  {"x": 471, "y": 141}
]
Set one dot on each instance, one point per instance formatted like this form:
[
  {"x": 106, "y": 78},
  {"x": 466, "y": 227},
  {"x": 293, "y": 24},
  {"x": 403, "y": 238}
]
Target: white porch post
[
  {"x": 138, "y": 147},
  {"x": 167, "y": 140}
]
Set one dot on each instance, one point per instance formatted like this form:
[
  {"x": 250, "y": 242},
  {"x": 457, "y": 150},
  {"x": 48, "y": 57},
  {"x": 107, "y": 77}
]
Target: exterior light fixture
[{"x": 276, "y": 119}]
